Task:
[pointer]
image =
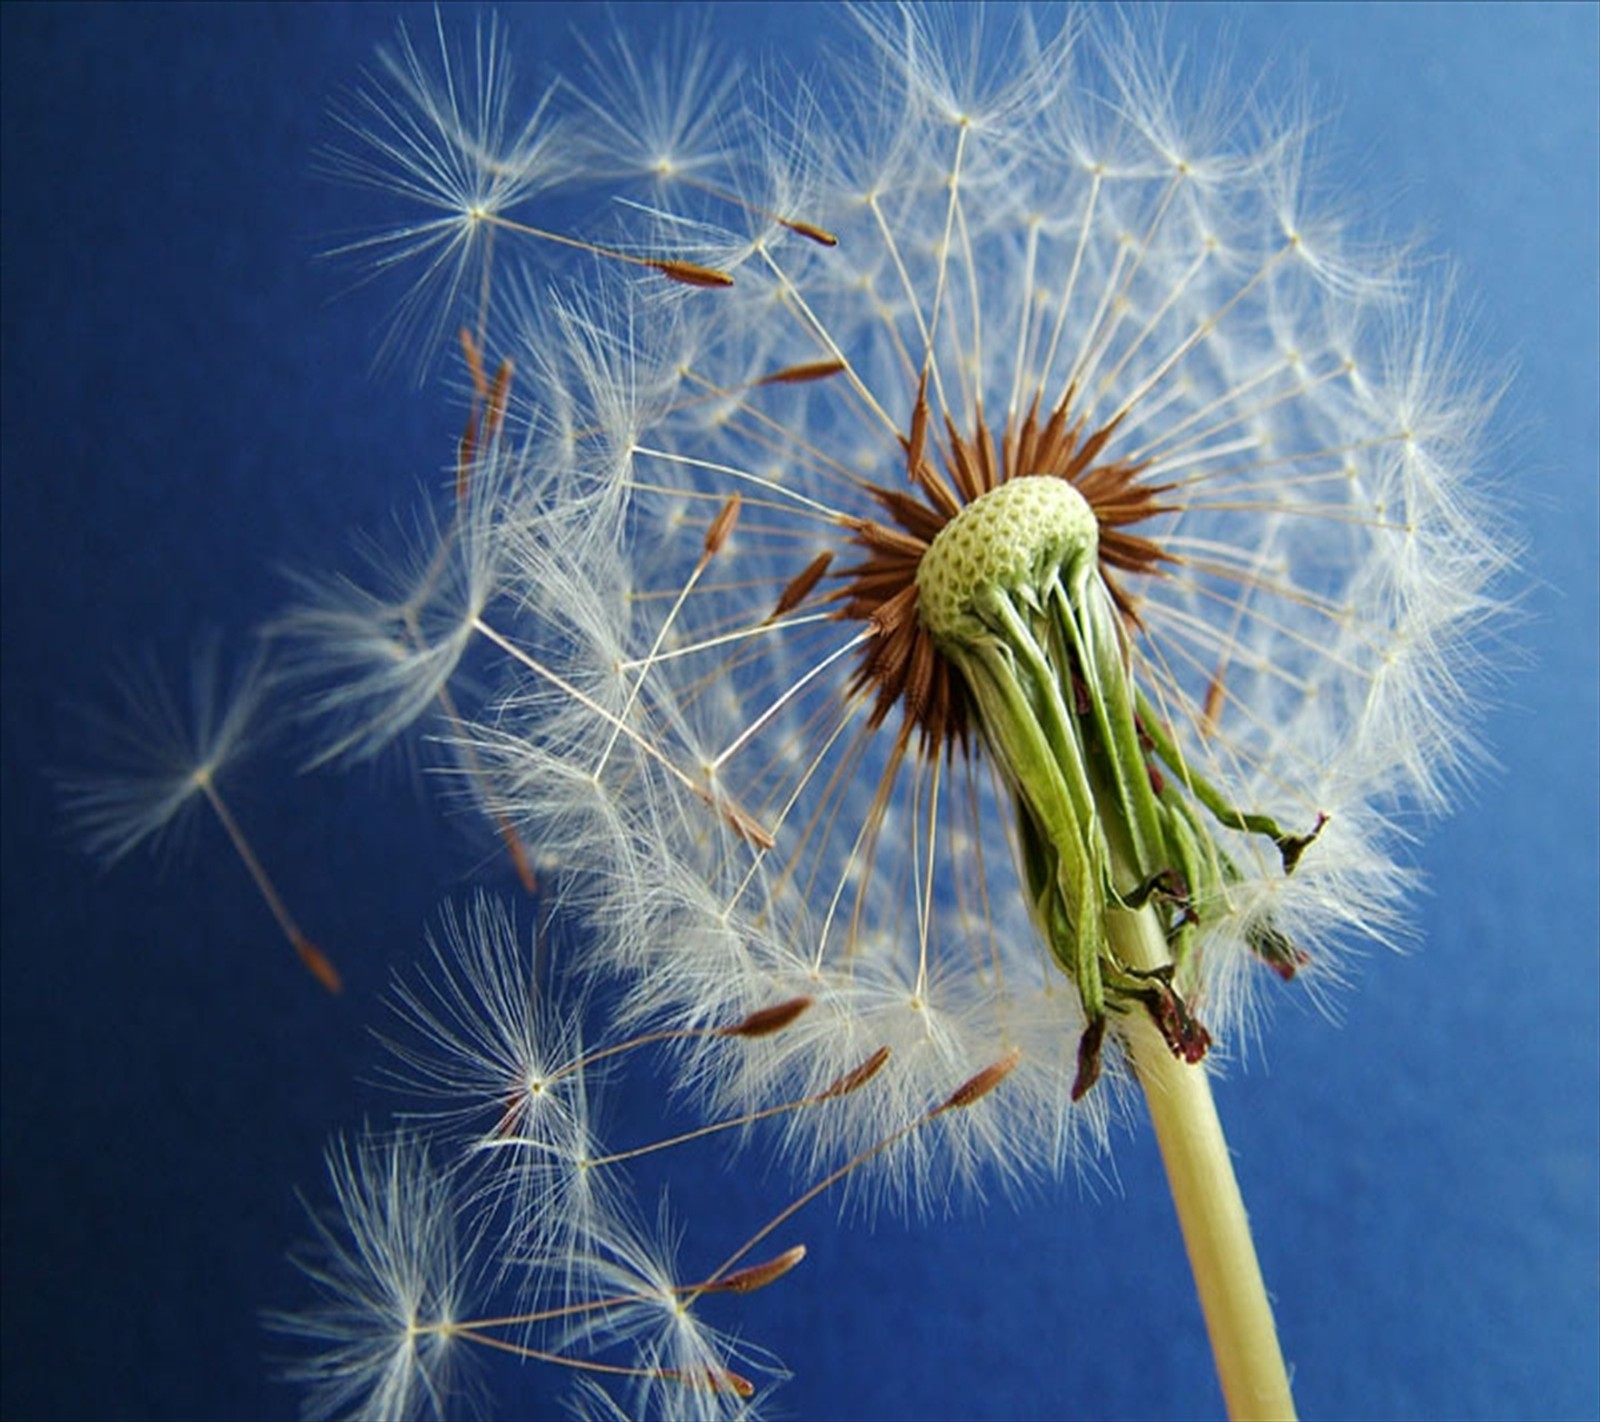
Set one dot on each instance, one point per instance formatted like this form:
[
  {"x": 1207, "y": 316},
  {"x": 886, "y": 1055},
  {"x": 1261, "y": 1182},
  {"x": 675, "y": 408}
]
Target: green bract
[{"x": 1011, "y": 591}]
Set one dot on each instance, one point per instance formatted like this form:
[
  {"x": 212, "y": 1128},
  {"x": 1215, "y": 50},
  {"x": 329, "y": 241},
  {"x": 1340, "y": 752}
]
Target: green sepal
[{"x": 1290, "y": 846}]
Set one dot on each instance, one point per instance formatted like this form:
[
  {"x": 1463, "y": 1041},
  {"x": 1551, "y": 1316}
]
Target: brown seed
[
  {"x": 799, "y": 587},
  {"x": 722, "y": 525},
  {"x": 474, "y": 359},
  {"x": 766, "y": 1020},
  {"x": 715, "y": 1379},
  {"x": 318, "y": 963},
  {"x": 856, "y": 1077},
  {"x": 917, "y": 444},
  {"x": 975, "y": 1088},
  {"x": 800, "y": 374},
  {"x": 518, "y": 854},
  {"x": 497, "y": 398},
  {"x": 1213, "y": 706},
  {"x": 690, "y": 274},
  {"x": 466, "y": 455},
  {"x": 757, "y": 1276},
  {"x": 742, "y": 825},
  {"x": 819, "y": 235}
]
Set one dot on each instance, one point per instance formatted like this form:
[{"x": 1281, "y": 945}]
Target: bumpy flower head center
[{"x": 1014, "y": 539}]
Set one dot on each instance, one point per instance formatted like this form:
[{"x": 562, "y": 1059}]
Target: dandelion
[
  {"x": 498, "y": 1059},
  {"x": 160, "y": 765},
  {"x": 437, "y": 135},
  {"x": 392, "y": 1282},
  {"x": 679, "y": 1365},
  {"x": 374, "y": 663},
  {"x": 400, "y": 1264},
  {"x": 1009, "y": 617}
]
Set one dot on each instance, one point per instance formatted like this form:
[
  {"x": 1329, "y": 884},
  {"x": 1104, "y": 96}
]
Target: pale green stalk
[{"x": 1211, "y": 1213}]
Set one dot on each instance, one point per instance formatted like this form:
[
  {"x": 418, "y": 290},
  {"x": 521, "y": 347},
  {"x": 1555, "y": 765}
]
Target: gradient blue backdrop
[{"x": 186, "y": 411}]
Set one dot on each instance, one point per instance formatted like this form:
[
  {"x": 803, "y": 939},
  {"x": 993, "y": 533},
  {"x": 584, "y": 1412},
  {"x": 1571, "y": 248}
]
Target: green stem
[{"x": 1216, "y": 1230}]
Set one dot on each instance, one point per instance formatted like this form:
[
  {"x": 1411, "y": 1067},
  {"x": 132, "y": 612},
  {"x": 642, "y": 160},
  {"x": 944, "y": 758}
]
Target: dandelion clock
[
  {"x": 937, "y": 568},
  {"x": 969, "y": 621}
]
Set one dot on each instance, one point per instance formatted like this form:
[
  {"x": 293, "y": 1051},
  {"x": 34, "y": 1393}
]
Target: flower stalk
[{"x": 1211, "y": 1213}]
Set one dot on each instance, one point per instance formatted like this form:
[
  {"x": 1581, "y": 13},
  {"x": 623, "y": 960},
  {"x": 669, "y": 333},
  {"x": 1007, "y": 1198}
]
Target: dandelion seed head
[
  {"x": 980, "y": 554},
  {"x": 1056, "y": 528},
  {"x": 1085, "y": 265}
]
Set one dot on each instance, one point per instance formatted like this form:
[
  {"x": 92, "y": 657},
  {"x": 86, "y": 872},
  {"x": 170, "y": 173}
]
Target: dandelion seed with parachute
[
  {"x": 392, "y": 1280},
  {"x": 160, "y": 764}
]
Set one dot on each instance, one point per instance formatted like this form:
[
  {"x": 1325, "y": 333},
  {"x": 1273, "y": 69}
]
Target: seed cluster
[{"x": 1015, "y": 538}]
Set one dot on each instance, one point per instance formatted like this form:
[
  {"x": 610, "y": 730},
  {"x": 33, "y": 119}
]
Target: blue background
[{"x": 187, "y": 411}]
